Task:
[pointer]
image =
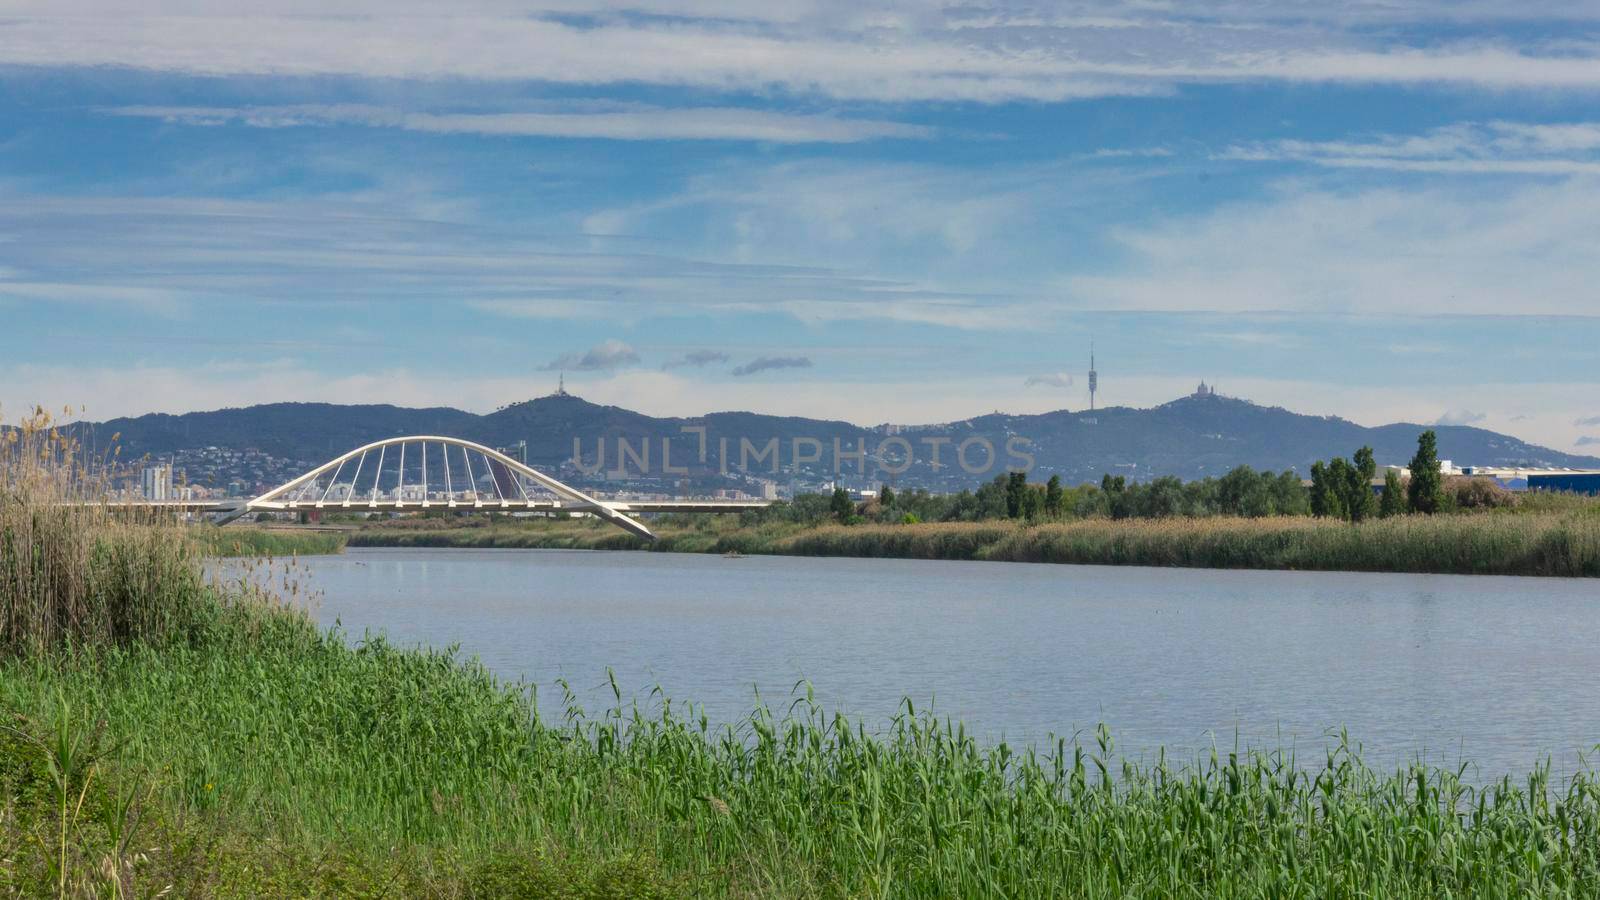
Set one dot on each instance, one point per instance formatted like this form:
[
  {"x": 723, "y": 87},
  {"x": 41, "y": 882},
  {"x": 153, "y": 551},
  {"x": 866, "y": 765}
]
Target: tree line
[{"x": 1339, "y": 488}]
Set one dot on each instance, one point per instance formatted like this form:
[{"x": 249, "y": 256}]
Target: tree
[
  {"x": 1359, "y": 503},
  {"x": 840, "y": 505},
  {"x": 886, "y": 496},
  {"x": 1289, "y": 496},
  {"x": 1322, "y": 499},
  {"x": 1234, "y": 491},
  {"x": 1114, "y": 496},
  {"x": 991, "y": 499},
  {"x": 1016, "y": 487},
  {"x": 1031, "y": 503},
  {"x": 1163, "y": 498},
  {"x": 1339, "y": 474},
  {"x": 1394, "y": 495},
  {"x": 1426, "y": 488},
  {"x": 1052, "y": 497}
]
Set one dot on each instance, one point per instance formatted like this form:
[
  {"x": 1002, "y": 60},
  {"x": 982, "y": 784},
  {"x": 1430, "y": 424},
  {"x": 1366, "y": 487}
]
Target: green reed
[
  {"x": 264, "y": 543},
  {"x": 275, "y": 741}
]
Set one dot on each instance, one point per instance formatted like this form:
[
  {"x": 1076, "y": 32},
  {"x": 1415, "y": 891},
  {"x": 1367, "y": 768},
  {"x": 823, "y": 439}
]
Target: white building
[{"x": 156, "y": 482}]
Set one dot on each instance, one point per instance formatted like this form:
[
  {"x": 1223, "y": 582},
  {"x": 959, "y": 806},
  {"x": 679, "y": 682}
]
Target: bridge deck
[{"x": 491, "y": 505}]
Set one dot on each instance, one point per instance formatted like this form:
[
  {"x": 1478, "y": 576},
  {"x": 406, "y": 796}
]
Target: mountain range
[{"x": 1191, "y": 437}]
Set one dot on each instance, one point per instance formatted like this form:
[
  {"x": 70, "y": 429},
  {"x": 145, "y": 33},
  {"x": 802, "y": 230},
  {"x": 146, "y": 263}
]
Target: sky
[{"x": 902, "y": 211}]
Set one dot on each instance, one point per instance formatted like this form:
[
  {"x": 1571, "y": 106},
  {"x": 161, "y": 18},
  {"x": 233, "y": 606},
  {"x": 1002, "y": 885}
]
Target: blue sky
[{"x": 906, "y": 212}]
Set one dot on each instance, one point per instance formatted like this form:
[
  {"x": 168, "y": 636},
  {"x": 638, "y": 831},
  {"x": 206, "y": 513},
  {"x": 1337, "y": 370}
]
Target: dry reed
[{"x": 72, "y": 567}]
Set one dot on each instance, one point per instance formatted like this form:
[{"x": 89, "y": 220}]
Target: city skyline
[{"x": 912, "y": 212}]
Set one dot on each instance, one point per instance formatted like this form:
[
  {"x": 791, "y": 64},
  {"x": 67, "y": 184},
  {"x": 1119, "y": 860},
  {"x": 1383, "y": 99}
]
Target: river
[{"x": 1497, "y": 671}]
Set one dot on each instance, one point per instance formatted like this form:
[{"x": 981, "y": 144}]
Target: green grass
[
  {"x": 266, "y": 758},
  {"x": 257, "y": 542},
  {"x": 273, "y": 759},
  {"x": 1554, "y": 542}
]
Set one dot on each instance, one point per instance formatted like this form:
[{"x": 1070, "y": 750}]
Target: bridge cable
[
  {"x": 449, "y": 490},
  {"x": 331, "y": 482},
  {"x": 357, "y": 479},
  {"x": 494, "y": 476},
  {"x": 517, "y": 479},
  {"x": 377, "y": 475}
]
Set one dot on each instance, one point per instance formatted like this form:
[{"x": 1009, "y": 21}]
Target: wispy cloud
[
  {"x": 914, "y": 52},
  {"x": 1049, "y": 379},
  {"x": 1587, "y": 440},
  {"x": 1461, "y": 417},
  {"x": 605, "y": 357},
  {"x": 160, "y": 301},
  {"x": 172, "y": 255},
  {"x": 1587, "y": 421},
  {"x": 1466, "y": 148},
  {"x": 766, "y": 363},
  {"x": 696, "y": 358},
  {"x": 1516, "y": 249},
  {"x": 626, "y": 122},
  {"x": 1130, "y": 153}
]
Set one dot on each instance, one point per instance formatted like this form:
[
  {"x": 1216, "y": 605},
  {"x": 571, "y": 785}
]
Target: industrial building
[{"x": 1566, "y": 482}]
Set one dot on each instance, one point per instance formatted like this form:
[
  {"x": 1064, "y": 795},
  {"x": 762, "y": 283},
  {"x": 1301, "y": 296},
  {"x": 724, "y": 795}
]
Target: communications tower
[{"x": 1094, "y": 377}]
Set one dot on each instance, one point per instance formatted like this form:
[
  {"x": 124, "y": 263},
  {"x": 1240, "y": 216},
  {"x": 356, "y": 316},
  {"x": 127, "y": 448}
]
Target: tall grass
[
  {"x": 258, "y": 542},
  {"x": 271, "y": 742},
  {"x": 1562, "y": 542},
  {"x": 1555, "y": 545},
  {"x": 73, "y": 569}
]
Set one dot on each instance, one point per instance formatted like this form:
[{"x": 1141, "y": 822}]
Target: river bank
[{"x": 1562, "y": 544}]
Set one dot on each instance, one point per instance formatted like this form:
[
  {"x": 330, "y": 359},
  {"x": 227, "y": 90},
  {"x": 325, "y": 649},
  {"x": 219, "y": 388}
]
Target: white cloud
[
  {"x": 1466, "y": 148},
  {"x": 912, "y": 51},
  {"x": 176, "y": 256},
  {"x": 109, "y": 392},
  {"x": 853, "y": 211},
  {"x": 1049, "y": 379},
  {"x": 1461, "y": 417},
  {"x": 1516, "y": 251},
  {"x": 630, "y": 122},
  {"x": 156, "y": 300}
]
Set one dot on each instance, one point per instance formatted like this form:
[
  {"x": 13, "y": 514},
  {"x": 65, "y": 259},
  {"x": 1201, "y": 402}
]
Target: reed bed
[
  {"x": 1563, "y": 542},
  {"x": 272, "y": 742},
  {"x": 1478, "y": 544},
  {"x": 74, "y": 570},
  {"x": 267, "y": 544}
]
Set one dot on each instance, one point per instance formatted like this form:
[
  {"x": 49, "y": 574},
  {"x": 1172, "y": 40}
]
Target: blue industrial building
[{"x": 1567, "y": 482}]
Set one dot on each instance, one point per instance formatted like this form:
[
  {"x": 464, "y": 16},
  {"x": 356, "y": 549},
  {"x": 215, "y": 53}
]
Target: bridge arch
[{"x": 509, "y": 492}]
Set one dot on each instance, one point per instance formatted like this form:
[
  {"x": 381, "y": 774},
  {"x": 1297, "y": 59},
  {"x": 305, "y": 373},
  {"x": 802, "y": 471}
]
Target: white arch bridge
[{"x": 429, "y": 472}]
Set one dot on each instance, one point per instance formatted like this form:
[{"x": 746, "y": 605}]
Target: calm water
[{"x": 1499, "y": 671}]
